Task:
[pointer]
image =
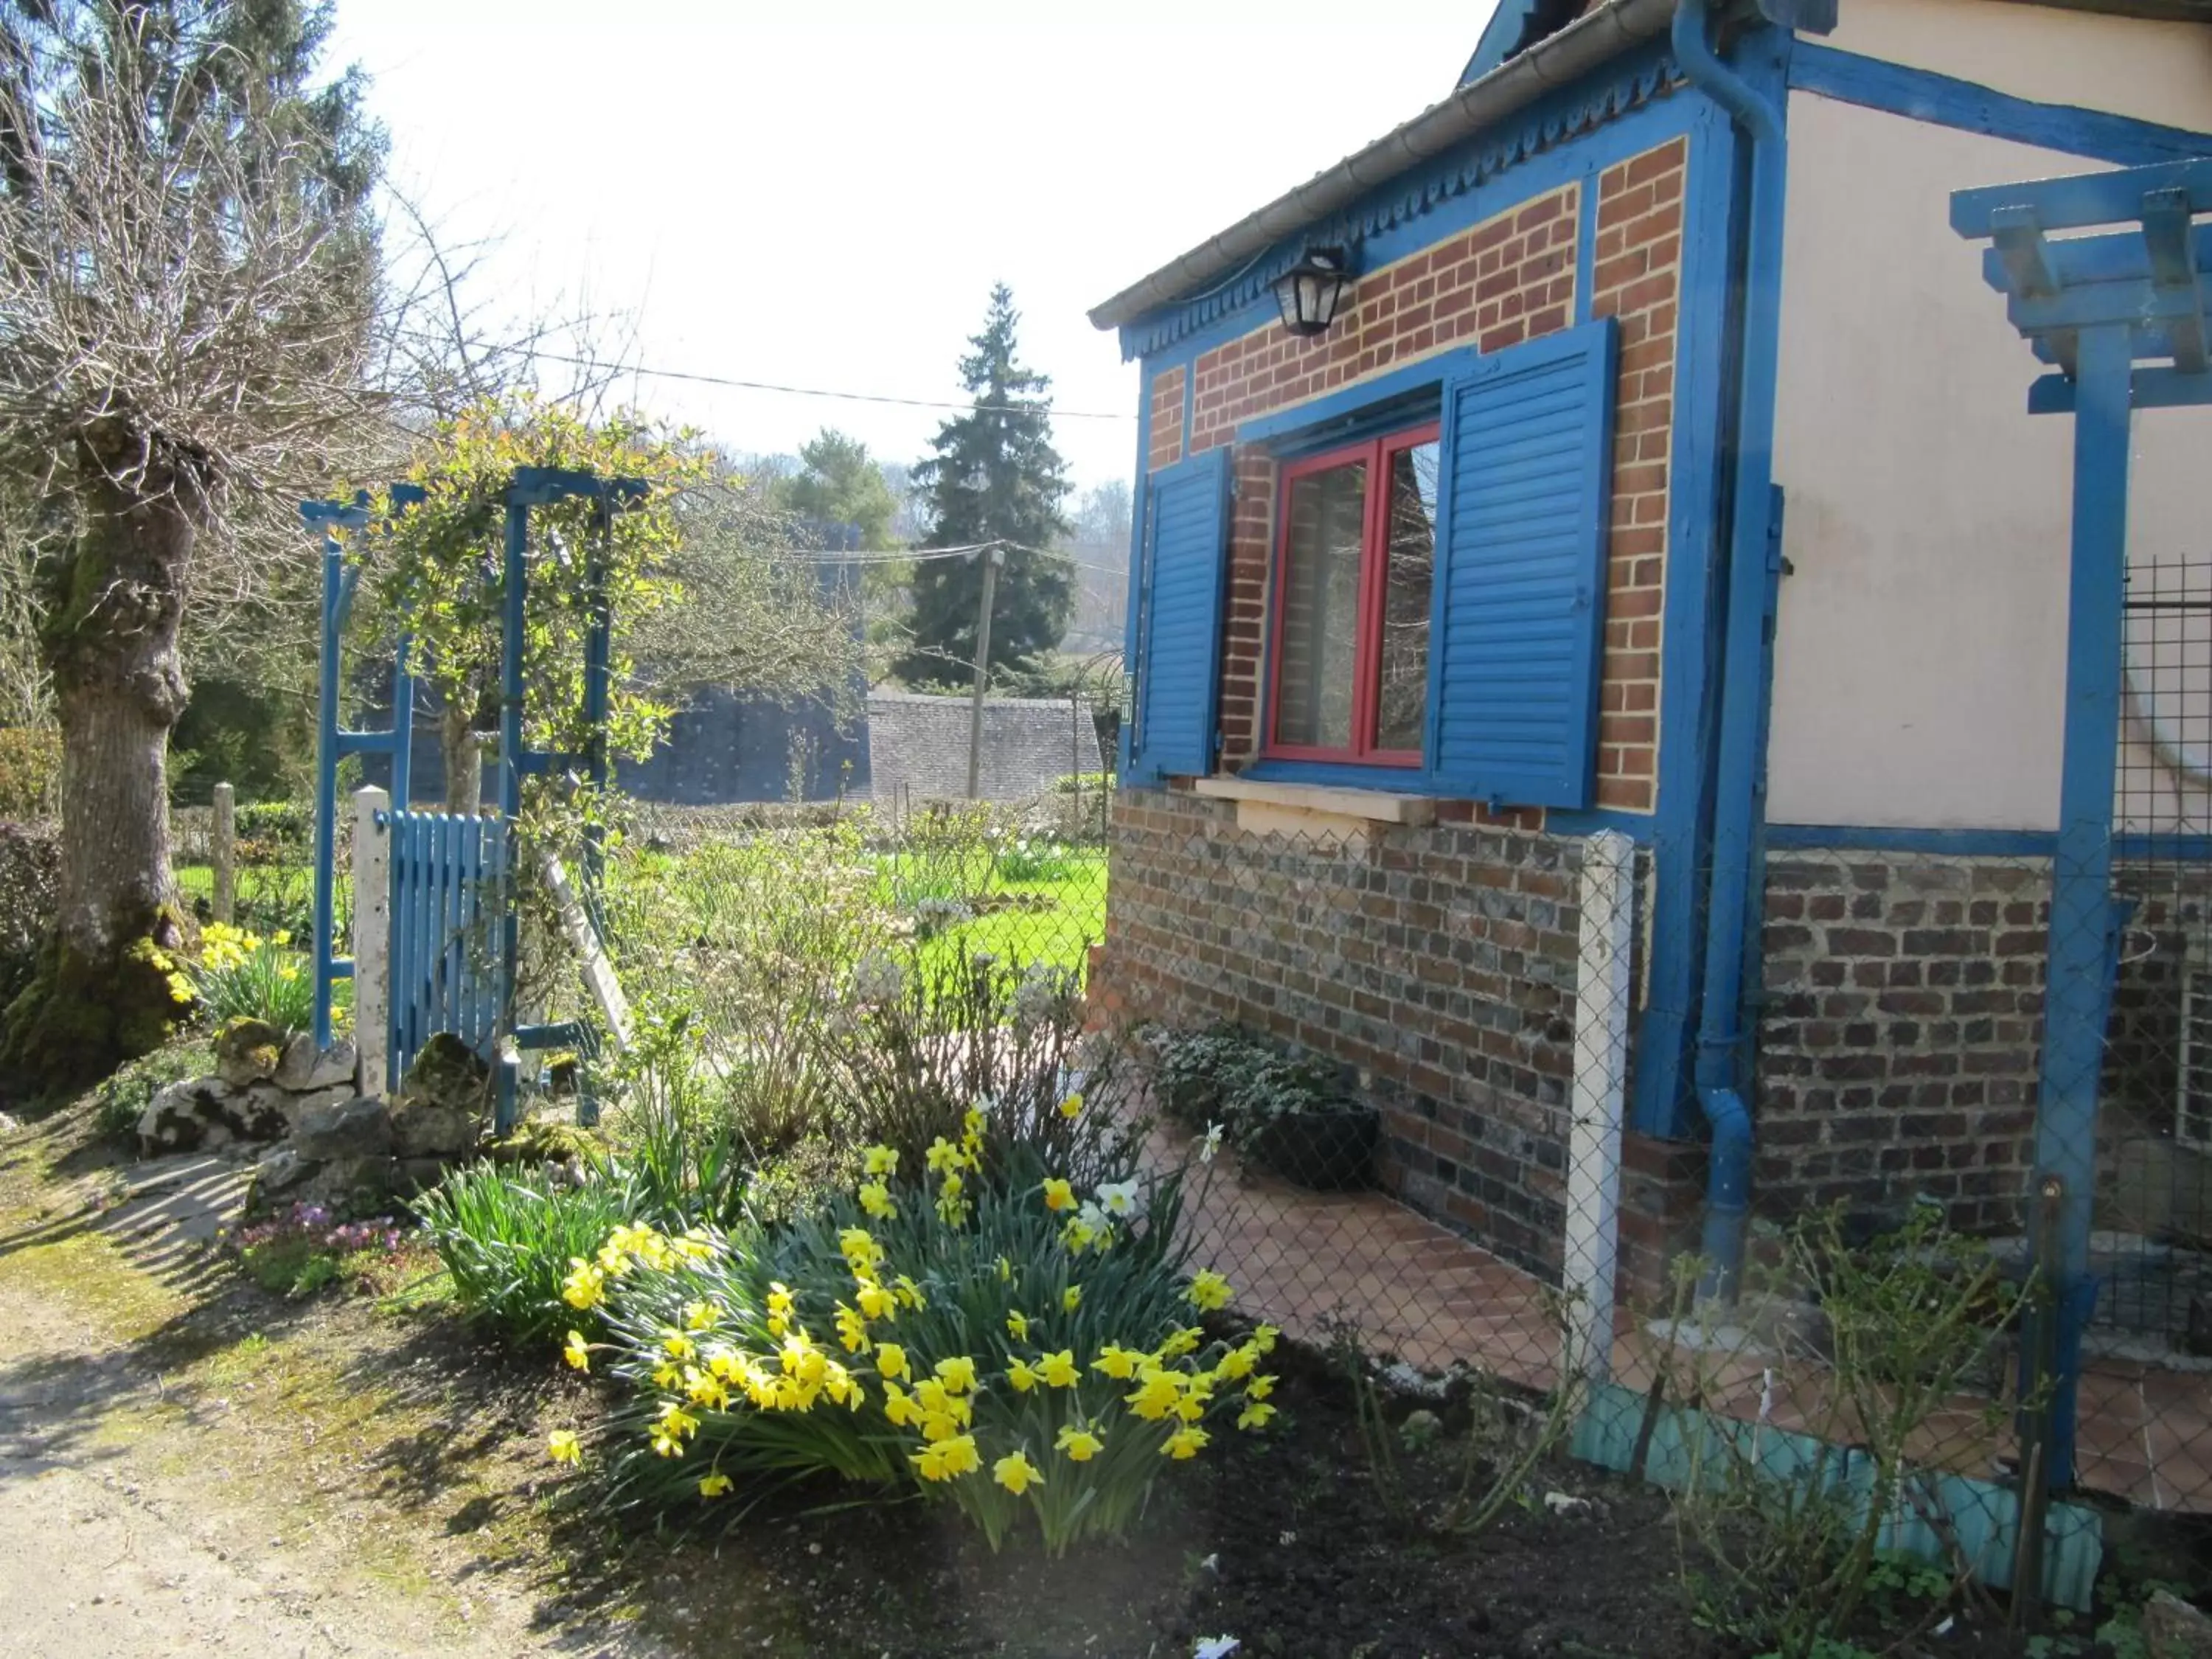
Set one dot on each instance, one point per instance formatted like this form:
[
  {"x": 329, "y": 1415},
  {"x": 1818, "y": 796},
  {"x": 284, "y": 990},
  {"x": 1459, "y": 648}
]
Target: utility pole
[{"x": 990, "y": 555}]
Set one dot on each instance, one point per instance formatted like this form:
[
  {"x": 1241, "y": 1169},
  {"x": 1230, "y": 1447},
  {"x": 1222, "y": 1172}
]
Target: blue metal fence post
[
  {"x": 326, "y": 773},
  {"x": 513, "y": 576},
  {"x": 2077, "y": 998}
]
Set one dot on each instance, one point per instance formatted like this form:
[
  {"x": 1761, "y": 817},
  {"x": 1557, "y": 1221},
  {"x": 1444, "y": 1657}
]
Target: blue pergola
[{"x": 2120, "y": 313}]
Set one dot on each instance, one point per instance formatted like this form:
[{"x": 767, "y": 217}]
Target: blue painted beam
[
  {"x": 2091, "y": 305},
  {"x": 2166, "y": 240},
  {"x": 2024, "y": 254},
  {"x": 2092, "y": 198},
  {"x": 2118, "y": 256},
  {"x": 2152, "y": 388},
  {"x": 1967, "y": 106}
]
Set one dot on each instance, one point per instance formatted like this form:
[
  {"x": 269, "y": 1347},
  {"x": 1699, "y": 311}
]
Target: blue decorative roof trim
[{"x": 1634, "y": 84}]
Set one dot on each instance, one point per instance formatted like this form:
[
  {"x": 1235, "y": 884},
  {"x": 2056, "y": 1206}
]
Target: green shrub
[
  {"x": 507, "y": 1236},
  {"x": 1223, "y": 1075},
  {"x": 30, "y": 874},
  {"x": 1010, "y": 1353},
  {"x": 30, "y": 772},
  {"x": 122, "y": 1100},
  {"x": 238, "y": 974},
  {"x": 274, "y": 831}
]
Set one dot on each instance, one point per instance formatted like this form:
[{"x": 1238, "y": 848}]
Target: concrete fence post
[
  {"x": 1608, "y": 888},
  {"x": 372, "y": 937},
  {"x": 223, "y": 854}
]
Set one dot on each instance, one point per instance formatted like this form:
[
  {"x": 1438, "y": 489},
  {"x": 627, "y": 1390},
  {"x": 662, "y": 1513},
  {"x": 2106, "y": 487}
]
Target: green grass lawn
[{"x": 1060, "y": 932}]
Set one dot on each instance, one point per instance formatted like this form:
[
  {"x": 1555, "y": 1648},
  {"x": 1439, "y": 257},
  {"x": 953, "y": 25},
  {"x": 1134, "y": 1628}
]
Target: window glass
[
  {"x": 1410, "y": 550},
  {"x": 1320, "y": 627}
]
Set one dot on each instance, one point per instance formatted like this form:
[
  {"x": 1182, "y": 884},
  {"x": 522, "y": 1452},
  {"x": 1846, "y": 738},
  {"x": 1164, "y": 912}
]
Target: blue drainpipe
[{"x": 1722, "y": 1070}]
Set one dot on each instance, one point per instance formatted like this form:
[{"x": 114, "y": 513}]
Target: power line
[{"x": 819, "y": 391}]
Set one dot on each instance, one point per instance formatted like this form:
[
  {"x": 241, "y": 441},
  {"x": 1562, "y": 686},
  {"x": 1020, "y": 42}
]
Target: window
[{"x": 1355, "y": 562}]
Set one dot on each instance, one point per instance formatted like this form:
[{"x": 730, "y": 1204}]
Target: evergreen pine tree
[{"x": 994, "y": 476}]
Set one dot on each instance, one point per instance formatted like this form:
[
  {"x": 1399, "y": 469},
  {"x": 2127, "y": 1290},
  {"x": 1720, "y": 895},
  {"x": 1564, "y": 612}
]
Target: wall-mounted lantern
[{"x": 1311, "y": 291}]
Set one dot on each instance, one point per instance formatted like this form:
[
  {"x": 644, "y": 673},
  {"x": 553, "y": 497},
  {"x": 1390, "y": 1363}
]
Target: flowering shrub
[
  {"x": 1008, "y": 1345},
  {"x": 241, "y": 974},
  {"x": 306, "y": 1247}
]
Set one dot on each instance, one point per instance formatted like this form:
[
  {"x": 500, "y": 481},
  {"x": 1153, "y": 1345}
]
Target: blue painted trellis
[
  {"x": 451, "y": 885},
  {"x": 2121, "y": 315}
]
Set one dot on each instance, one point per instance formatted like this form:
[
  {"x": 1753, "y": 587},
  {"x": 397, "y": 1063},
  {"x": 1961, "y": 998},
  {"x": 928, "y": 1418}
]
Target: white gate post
[
  {"x": 222, "y": 853},
  {"x": 372, "y": 937},
  {"x": 1608, "y": 887}
]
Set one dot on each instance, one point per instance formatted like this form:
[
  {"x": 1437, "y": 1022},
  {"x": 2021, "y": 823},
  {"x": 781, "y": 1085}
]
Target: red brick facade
[
  {"x": 1508, "y": 279},
  {"x": 1635, "y": 278},
  {"x": 1166, "y": 440}
]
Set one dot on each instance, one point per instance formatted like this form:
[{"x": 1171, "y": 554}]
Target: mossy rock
[
  {"x": 248, "y": 1050},
  {"x": 446, "y": 1073},
  {"x": 541, "y": 1141}
]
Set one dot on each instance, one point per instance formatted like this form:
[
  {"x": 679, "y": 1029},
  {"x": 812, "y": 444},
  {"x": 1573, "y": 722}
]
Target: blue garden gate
[{"x": 448, "y": 894}]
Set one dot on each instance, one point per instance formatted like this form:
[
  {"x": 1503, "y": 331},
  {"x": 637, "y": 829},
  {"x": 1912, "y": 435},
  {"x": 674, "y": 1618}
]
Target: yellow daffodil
[
  {"x": 909, "y": 1293},
  {"x": 714, "y": 1485},
  {"x": 698, "y": 1315},
  {"x": 674, "y": 1419},
  {"x": 880, "y": 1161},
  {"x": 577, "y": 1352},
  {"x": 1070, "y": 1298},
  {"x": 1186, "y": 1339},
  {"x": 1117, "y": 1362},
  {"x": 1018, "y": 1325},
  {"x": 1264, "y": 1338},
  {"x": 876, "y": 1302},
  {"x": 1057, "y": 1370},
  {"x": 1015, "y": 1474},
  {"x": 860, "y": 1251},
  {"x": 852, "y": 1329},
  {"x": 971, "y": 1123},
  {"x": 679, "y": 1347},
  {"x": 1059, "y": 1195},
  {"x": 1006, "y": 1270},
  {"x": 1021, "y": 1377},
  {"x": 1260, "y": 1388},
  {"x": 780, "y": 1301},
  {"x": 960, "y": 1456},
  {"x": 666, "y": 1374},
  {"x": 1078, "y": 1236},
  {"x": 943, "y": 1157},
  {"x": 1255, "y": 1415},
  {"x": 1157, "y": 1396},
  {"x": 1079, "y": 1445},
  {"x": 563, "y": 1447},
  {"x": 875, "y": 1199},
  {"x": 1237, "y": 1361},
  {"x": 958, "y": 1373},
  {"x": 1072, "y": 1105},
  {"x": 585, "y": 1285},
  {"x": 1185, "y": 1442},
  {"x": 1208, "y": 1290},
  {"x": 666, "y": 1445},
  {"x": 890, "y": 1359},
  {"x": 898, "y": 1409}
]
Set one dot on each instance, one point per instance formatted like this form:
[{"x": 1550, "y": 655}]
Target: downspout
[{"x": 1722, "y": 1068}]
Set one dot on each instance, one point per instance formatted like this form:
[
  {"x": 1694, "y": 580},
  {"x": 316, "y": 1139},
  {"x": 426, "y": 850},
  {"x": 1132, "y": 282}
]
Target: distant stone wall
[{"x": 918, "y": 746}]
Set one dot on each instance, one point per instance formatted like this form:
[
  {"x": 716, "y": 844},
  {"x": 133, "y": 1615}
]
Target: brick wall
[
  {"x": 1440, "y": 962},
  {"x": 1166, "y": 440},
  {"x": 1508, "y": 279},
  {"x": 1901, "y": 1037},
  {"x": 1635, "y": 278}
]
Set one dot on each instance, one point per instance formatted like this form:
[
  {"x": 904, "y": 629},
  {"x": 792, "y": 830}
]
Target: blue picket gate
[{"x": 448, "y": 882}]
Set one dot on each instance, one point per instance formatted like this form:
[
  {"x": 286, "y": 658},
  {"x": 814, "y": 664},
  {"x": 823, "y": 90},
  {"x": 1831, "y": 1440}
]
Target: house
[{"x": 1667, "y": 468}]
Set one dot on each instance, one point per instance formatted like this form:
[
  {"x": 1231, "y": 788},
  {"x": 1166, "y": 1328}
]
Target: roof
[{"x": 1505, "y": 76}]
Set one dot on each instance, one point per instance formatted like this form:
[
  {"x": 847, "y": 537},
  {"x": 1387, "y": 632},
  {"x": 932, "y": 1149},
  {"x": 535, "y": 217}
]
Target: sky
[{"x": 822, "y": 195}]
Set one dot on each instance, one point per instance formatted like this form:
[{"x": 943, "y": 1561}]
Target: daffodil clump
[
  {"x": 240, "y": 974},
  {"x": 1011, "y": 1345}
]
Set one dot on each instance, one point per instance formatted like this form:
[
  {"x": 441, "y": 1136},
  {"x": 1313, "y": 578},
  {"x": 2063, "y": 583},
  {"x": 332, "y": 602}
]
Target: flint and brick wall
[
  {"x": 1902, "y": 1033},
  {"x": 1439, "y": 962}
]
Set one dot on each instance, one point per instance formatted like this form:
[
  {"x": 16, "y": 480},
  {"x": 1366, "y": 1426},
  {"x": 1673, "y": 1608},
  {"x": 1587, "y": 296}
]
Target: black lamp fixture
[{"x": 1311, "y": 291}]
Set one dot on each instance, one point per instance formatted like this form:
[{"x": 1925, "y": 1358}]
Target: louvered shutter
[
  {"x": 1527, "y": 468},
  {"x": 1179, "y": 619}
]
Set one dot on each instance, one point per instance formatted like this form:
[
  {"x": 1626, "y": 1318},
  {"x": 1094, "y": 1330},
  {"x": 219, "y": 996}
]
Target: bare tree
[{"x": 186, "y": 288}]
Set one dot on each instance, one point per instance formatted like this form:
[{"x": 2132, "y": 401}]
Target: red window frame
[{"x": 1374, "y": 570}]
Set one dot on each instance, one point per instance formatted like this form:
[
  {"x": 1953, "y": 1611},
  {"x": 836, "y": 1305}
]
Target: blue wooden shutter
[
  {"x": 1179, "y": 642},
  {"x": 1525, "y": 482}
]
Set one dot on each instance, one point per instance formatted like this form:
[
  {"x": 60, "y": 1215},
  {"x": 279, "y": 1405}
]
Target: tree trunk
[
  {"x": 103, "y": 992},
  {"x": 462, "y": 750}
]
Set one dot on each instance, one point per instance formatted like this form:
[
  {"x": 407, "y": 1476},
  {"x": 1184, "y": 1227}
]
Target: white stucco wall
[
  {"x": 1919, "y": 659},
  {"x": 2153, "y": 71}
]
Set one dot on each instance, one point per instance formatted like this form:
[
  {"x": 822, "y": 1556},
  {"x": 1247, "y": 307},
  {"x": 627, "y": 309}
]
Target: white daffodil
[
  {"x": 1211, "y": 1144},
  {"x": 1118, "y": 1198}
]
